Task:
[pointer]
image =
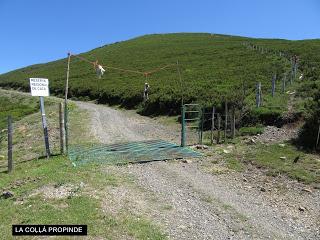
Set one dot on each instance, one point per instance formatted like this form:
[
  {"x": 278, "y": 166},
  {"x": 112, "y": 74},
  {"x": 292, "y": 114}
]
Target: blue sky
[{"x": 37, "y": 31}]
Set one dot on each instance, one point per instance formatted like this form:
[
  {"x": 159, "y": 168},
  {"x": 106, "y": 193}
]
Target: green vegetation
[
  {"x": 234, "y": 164},
  {"x": 251, "y": 130},
  {"x": 213, "y": 67},
  {"x": 277, "y": 159},
  {"x": 27, "y": 126},
  {"x": 285, "y": 160},
  {"x": 30, "y": 205},
  {"x": 38, "y": 183},
  {"x": 17, "y": 107}
]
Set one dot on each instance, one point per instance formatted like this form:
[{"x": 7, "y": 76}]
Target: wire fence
[{"x": 28, "y": 138}]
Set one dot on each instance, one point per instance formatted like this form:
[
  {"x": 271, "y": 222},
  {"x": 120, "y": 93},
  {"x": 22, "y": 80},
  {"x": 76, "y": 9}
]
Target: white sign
[{"x": 39, "y": 87}]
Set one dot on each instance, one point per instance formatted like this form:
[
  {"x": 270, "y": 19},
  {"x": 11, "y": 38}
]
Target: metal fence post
[
  {"x": 10, "y": 133},
  {"x": 45, "y": 128}
]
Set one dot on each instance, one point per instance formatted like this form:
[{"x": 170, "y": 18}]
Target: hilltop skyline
[{"x": 38, "y": 32}]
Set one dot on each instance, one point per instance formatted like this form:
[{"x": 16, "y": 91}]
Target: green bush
[{"x": 259, "y": 129}]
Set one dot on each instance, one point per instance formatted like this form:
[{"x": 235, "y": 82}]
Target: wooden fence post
[
  {"x": 258, "y": 94},
  {"x": 202, "y": 123},
  {"x": 318, "y": 135},
  {"x": 226, "y": 120},
  {"x": 219, "y": 127},
  {"x": 212, "y": 124},
  {"x": 284, "y": 83},
  {"x": 183, "y": 127},
  {"x": 273, "y": 84},
  {"x": 62, "y": 129},
  {"x": 233, "y": 125},
  {"x": 66, "y": 104},
  {"x": 10, "y": 133}
]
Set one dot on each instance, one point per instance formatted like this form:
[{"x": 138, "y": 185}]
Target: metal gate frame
[{"x": 197, "y": 121}]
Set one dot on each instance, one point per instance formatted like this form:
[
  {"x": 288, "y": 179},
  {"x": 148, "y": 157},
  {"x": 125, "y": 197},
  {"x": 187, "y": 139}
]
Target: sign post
[{"x": 40, "y": 88}]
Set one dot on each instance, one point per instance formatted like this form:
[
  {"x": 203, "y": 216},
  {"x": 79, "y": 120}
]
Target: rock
[
  {"x": 316, "y": 186},
  {"x": 82, "y": 184},
  {"x": 262, "y": 189},
  {"x": 244, "y": 179},
  {"x": 226, "y": 151},
  {"x": 252, "y": 141},
  {"x": 307, "y": 190},
  {"x": 282, "y": 145},
  {"x": 7, "y": 194},
  {"x": 182, "y": 227},
  {"x": 187, "y": 161},
  {"x": 296, "y": 159},
  {"x": 302, "y": 209},
  {"x": 202, "y": 147},
  {"x": 283, "y": 158}
]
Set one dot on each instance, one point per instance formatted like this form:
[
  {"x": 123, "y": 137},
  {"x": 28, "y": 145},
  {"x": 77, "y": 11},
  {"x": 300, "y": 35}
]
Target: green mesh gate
[
  {"x": 131, "y": 152},
  {"x": 191, "y": 124}
]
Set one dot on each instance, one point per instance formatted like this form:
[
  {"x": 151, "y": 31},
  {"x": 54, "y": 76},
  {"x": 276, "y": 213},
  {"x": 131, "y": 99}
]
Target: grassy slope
[
  {"x": 28, "y": 140},
  {"x": 80, "y": 207},
  {"x": 83, "y": 205},
  {"x": 213, "y": 67},
  {"x": 18, "y": 107}
]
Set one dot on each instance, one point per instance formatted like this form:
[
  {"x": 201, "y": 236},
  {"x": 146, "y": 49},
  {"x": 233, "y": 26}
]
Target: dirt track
[
  {"x": 112, "y": 126},
  {"x": 189, "y": 203}
]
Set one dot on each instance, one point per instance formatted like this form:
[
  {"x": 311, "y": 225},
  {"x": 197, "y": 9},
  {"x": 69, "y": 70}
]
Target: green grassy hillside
[
  {"x": 213, "y": 68},
  {"x": 16, "y": 106}
]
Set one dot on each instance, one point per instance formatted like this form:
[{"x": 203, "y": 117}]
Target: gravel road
[
  {"x": 189, "y": 203},
  {"x": 112, "y": 126}
]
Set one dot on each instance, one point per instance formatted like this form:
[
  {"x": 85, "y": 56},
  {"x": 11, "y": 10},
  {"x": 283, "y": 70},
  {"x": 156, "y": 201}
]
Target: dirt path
[
  {"x": 189, "y": 203},
  {"x": 112, "y": 126}
]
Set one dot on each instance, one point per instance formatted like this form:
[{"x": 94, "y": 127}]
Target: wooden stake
[
  {"x": 226, "y": 120},
  {"x": 66, "y": 104},
  {"x": 212, "y": 124},
  {"x": 233, "y": 126},
  {"x": 219, "y": 127},
  {"x": 181, "y": 85},
  {"x": 10, "y": 133},
  {"x": 317, "y": 142},
  {"x": 273, "y": 84},
  {"x": 202, "y": 122},
  {"x": 284, "y": 83},
  {"x": 62, "y": 129},
  {"x": 183, "y": 126},
  {"x": 258, "y": 94}
]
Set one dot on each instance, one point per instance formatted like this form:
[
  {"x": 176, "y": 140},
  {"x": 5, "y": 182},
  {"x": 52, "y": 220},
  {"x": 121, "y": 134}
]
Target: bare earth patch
[{"x": 55, "y": 192}]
